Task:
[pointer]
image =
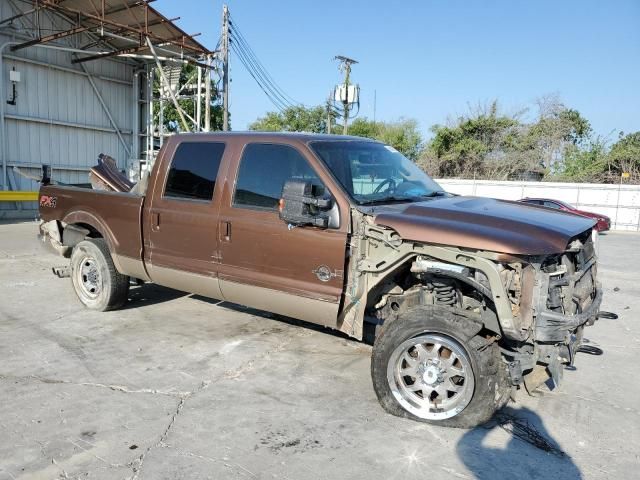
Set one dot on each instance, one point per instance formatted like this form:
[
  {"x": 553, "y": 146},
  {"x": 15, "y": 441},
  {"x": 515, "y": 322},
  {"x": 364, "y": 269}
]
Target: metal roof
[{"x": 123, "y": 27}]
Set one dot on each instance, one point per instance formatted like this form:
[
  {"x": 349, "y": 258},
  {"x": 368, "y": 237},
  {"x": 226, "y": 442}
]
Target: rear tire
[
  {"x": 97, "y": 283},
  {"x": 430, "y": 365}
]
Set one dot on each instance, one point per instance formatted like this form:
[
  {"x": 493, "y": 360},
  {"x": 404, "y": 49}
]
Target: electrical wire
[
  {"x": 257, "y": 70},
  {"x": 259, "y": 65},
  {"x": 260, "y": 75},
  {"x": 271, "y": 93},
  {"x": 277, "y": 104}
]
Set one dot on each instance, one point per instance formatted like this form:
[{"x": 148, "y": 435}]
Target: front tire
[
  {"x": 97, "y": 283},
  {"x": 430, "y": 365}
]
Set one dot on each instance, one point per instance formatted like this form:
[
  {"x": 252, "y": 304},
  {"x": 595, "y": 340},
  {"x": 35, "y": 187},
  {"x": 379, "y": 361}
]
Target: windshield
[{"x": 375, "y": 173}]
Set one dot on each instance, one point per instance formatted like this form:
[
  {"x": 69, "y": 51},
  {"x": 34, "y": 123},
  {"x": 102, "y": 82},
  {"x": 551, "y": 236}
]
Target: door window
[
  {"x": 193, "y": 171},
  {"x": 264, "y": 168}
]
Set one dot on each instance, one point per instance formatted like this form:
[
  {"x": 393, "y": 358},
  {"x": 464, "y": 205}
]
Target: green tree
[
  {"x": 624, "y": 156},
  {"x": 487, "y": 143},
  {"x": 476, "y": 145},
  {"x": 403, "y": 135},
  {"x": 362, "y": 127},
  {"x": 584, "y": 164},
  {"x": 293, "y": 119}
]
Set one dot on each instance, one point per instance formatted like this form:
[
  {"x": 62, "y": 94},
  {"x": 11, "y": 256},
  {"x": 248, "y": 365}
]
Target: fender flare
[{"x": 94, "y": 221}]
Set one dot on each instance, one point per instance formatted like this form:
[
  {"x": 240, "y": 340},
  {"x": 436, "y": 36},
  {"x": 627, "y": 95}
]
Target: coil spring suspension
[{"x": 444, "y": 293}]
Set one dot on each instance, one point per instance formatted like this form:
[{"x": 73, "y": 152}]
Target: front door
[
  {"x": 264, "y": 262},
  {"x": 181, "y": 224}
]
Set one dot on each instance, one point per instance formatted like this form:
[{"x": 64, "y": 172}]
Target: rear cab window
[
  {"x": 193, "y": 171},
  {"x": 264, "y": 169}
]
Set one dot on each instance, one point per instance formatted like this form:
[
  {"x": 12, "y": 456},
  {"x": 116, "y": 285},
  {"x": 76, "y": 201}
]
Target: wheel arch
[
  {"x": 489, "y": 315},
  {"x": 93, "y": 226}
]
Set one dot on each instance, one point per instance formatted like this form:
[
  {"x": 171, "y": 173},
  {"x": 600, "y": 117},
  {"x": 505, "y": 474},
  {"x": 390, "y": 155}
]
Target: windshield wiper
[
  {"x": 392, "y": 199},
  {"x": 437, "y": 193}
]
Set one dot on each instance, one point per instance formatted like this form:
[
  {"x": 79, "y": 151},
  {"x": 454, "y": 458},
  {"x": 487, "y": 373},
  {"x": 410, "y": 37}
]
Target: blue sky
[{"x": 430, "y": 60}]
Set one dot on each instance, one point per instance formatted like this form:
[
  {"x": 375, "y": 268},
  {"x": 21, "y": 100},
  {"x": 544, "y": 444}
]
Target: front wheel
[
  {"x": 428, "y": 367},
  {"x": 97, "y": 283}
]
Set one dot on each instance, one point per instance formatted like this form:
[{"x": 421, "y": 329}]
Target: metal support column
[
  {"x": 150, "y": 126},
  {"x": 199, "y": 100},
  {"x": 207, "y": 97},
  {"x": 106, "y": 110}
]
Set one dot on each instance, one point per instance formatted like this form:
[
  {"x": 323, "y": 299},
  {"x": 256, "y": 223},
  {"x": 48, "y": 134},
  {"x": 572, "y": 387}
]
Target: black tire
[
  {"x": 99, "y": 286},
  {"x": 491, "y": 387}
]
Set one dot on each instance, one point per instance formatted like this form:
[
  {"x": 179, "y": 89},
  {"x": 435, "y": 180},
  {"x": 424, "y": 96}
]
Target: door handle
[
  {"x": 225, "y": 229},
  {"x": 155, "y": 221}
]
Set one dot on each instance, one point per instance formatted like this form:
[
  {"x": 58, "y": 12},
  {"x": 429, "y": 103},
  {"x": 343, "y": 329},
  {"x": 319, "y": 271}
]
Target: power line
[
  {"x": 260, "y": 65},
  {"x": 259, "y": 77},
  {"x": 259, "y": 74},
  {"x": 277, "y": 103},
  {"x": 258, "y": 71}
]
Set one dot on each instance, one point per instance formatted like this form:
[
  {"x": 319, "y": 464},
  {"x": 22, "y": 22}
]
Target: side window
[
  {"x": 552, "y": 205},
  {"x": 264, "y": 168},
  {"x": 193, "y": 170}
]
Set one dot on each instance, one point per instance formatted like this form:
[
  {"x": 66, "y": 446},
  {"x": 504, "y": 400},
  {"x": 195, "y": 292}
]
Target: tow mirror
[{"x": 303, "y": 203}]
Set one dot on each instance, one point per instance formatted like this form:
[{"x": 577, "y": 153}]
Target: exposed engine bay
[{"x": 535, "y": 307}]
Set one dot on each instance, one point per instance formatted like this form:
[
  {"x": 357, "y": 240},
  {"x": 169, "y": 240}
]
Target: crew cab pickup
[{"x": 470, "y": 298}]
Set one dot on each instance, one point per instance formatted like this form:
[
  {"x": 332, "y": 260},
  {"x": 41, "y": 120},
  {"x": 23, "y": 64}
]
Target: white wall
[{"x": 619, "y": 202}]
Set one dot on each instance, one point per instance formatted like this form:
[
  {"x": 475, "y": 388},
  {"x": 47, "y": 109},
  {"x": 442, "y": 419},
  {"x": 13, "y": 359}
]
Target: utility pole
[
  {"x": 375, "y": 94},
  {"x": 345, "y": 66},
  {"x": 225, "y": 67}
]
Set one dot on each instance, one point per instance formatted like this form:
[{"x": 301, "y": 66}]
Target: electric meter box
[{"x": 14, "y": 76}]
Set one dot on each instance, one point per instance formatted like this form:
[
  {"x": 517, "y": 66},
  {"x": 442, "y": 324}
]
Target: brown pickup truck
[{"x": 470, "y": 298}]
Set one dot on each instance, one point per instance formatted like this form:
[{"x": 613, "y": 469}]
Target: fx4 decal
[{"x": 48, "y": 201}]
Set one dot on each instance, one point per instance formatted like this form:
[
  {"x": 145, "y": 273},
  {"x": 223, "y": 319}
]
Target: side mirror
[{"x": 302, "y": 203}]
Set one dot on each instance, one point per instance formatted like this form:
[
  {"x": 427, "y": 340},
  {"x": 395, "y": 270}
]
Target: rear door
[
  {"x": 264, "y": 262},
  {"x": 181, "y": 227}
]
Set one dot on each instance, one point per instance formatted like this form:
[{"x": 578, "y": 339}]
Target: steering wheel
[{"x": 391, "y": 188}]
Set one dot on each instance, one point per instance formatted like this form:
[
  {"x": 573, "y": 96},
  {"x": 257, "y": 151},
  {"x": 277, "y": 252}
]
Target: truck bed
[{"x": 115, "y": 215}]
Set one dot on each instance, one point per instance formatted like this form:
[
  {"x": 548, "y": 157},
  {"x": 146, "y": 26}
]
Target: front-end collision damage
[
  {"x": 376, "y": 252},
  {"x": 536, "y": 307}
]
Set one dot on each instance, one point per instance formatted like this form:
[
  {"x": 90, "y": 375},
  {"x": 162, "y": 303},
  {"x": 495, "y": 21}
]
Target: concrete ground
[{"x": 177, "y": 386}]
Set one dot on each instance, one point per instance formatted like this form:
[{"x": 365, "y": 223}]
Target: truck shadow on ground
[
  {"x": 367, "y": 338},
  {"x": 151, "y": 294},
  {"x": 530, "y": 452}
]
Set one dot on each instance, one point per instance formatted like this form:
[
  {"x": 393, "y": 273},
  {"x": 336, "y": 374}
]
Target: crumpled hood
[{"x": 485, "y": 224}]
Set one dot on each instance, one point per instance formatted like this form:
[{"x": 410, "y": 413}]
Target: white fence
[{"x": 619, "y": 202}]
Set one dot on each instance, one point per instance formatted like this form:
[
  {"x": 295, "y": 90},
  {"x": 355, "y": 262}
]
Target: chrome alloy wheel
[
  {"x": 431, "y": 376},
  {"x": 88, "y": 278}
]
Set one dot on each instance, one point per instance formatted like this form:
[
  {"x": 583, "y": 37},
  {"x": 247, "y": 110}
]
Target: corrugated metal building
[{"x": 64, "y": 113}]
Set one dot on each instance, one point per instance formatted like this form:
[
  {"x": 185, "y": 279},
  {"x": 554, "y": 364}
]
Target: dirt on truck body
[{"x": 470, "y": 298}]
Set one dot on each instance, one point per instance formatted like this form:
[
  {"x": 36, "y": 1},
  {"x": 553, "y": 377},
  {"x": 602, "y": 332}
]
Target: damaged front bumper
[
  {"x": 566, "y": 298},
  {"x": 554, "y": 326}
]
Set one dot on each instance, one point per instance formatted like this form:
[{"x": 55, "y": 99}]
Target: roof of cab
[{"x": 299, "y": 136}]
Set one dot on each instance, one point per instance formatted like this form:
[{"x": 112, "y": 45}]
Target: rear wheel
[
  {"x": 429, "y": 365},
  {"x": 97, "y": 283}
]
